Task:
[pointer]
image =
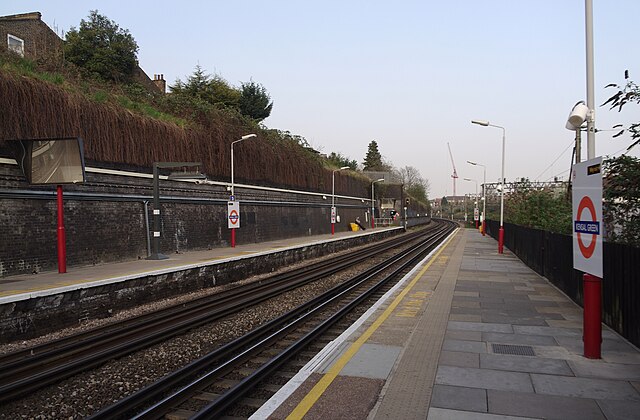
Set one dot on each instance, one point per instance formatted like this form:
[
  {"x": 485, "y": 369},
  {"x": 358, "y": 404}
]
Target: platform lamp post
[
  {"x": 333, "y": 198},
  {"x": 475, "y": 208},
  {"x": 373, "y": 225},
  {"x": 233, "y": 195},
  {"x": 484, "y": 195},
  {"x": 157, "y": 220},
  {"x": 501, "y": 231}
]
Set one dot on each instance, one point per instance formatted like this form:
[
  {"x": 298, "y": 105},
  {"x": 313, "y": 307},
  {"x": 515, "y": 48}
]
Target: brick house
[{"x": 27, "y": 35}]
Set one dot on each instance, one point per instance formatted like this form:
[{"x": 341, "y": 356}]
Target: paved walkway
[{"x": 470, "y": 335}]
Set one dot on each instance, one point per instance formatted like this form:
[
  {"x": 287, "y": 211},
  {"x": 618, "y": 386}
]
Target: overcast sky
[{"x": 409, "y": 74}]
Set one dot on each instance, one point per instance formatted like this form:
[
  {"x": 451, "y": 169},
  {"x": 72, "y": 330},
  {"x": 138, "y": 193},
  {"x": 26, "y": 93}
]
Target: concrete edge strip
[
  {"x": 106, "y": 281},
  {"x": 269, "y": 407}
]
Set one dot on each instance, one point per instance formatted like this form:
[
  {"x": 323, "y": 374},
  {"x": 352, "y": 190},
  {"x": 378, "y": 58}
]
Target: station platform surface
[
  {"x": 468, "y": 334},
  {"x": 25, "y": 286}
]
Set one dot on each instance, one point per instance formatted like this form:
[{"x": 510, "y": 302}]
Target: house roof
[{"x": 23, "y": 16}]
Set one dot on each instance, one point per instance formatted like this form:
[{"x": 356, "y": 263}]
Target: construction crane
[{"x": 455, "y": 174}]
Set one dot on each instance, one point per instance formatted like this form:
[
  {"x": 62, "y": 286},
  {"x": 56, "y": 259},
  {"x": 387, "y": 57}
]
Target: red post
[
  {"x": 233, "y": 238},
  {"x": 592, "y": 328},
  {"x": 373, "y": 223},
  {"x": 476, "y": 223},
  {"x": 501, "y": 240},
  {"x": 483, "y": 228},
  {"x": 62, "y": 239},
  {"x": 333, "y": 228}
]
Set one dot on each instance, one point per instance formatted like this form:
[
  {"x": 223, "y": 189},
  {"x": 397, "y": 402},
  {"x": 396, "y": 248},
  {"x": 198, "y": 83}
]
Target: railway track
[
  {"x": 217, "y": 383},
  {"x": 25, "y": 371}
]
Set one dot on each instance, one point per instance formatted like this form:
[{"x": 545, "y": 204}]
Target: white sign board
[
  {"x": 476, "y": 214},
  {"x": 233, "y": 214},
  {"x": 333, "y": 214},
  {"x": 587, "y": 216}
]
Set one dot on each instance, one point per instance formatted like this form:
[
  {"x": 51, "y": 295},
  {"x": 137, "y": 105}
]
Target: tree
[
  {"x": 101, "y": 47},
  {"x": 415, "y": 184},
  {"x": 621, "y": 194},
  {"x": 630, "y": 93},
  {"x": 338, "y": 160},
  {"x": 254, "y": 101},
  {"x": 213, "y": 90},
  {"x": 373, "y": 159}
]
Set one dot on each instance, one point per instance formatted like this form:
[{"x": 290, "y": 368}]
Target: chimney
[{"x": 158, "y": 80}]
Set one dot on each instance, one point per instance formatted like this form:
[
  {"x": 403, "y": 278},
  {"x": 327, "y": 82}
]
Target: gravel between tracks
[{"x": 86, "y": 393}]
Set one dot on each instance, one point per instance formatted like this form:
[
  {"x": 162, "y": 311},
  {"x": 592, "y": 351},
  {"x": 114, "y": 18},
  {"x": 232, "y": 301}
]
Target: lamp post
[
  {"x": 233, "y": 196},
  {"x": 501, "y": 231},
  {"x": 333, "y": 198},
  {"x": 475, "y": 207},
  {"x": 484, "y": 195},
  {"x": 373, "y": 225}
]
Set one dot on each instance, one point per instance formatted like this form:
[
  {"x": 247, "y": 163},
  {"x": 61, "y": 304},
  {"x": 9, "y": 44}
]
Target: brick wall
[{"x": 105, "y": 219}]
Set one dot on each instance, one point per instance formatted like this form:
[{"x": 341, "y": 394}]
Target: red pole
[
  {"x": 592, "y": 329},
  {"x": 476, "y": 223},
  {"x": 333, "y": 228},
  {"x": 501, "y": 240},
  {"x": 373, "y": 224},
  {"x": 233, "y": 238},
  {"x": 62, "y": 240}
]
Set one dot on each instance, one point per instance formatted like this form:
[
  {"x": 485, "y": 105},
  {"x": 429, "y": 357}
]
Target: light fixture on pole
[
  {"x": 577, "y": 117},
  {"x": 501, "y": 231},
  {"x": 373, "y": 225},
  {"x": 232, "y": 198},
  {"x": 333, "y": 198},
  {"x": 484, "y": 196},
  {"x": 475, "y": 208}
]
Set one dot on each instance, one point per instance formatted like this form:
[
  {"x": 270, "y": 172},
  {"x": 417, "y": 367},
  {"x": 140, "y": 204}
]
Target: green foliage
[
  {"x": 546, "y": 210},
  {"x": 101, "y": 47},
  {"x": 621, "y": 194},
  {"x": 373, "y": 159},
  {"x": 255, "y": 102},
  {"x": 629, "y": 93},
  {"x": 338, "y": 160}
]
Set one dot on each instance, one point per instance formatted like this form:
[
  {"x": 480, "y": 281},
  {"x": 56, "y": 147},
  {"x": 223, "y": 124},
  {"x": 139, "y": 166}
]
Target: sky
[{"x": 409, "y": 74}]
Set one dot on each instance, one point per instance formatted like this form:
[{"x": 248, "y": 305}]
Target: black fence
[{"x": 551, "y": 255}]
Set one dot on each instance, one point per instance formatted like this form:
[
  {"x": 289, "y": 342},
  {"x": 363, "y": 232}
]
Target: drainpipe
[{"x": 146, "y": 224}]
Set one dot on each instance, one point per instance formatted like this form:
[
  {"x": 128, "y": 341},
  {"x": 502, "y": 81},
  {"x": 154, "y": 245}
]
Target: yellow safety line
[{"x": 316, "y": 392}]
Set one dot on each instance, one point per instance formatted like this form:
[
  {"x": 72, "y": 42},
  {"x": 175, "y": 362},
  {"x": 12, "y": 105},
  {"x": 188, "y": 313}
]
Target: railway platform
[
  {"x": 49, "y": 283},
  {"x": 468, "y": 334}
]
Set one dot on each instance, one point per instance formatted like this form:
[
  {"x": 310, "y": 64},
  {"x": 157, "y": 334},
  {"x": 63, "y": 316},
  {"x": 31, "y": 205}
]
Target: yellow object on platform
[{"x": 354, "y": 227}]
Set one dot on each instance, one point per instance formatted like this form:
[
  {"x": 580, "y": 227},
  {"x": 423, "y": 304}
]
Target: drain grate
[{"x": 511, "y": 349}]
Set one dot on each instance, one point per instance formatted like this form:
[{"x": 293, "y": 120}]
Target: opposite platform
[
  {"x": 470, "y": 334},
  {"x": 46, "y": 283}
]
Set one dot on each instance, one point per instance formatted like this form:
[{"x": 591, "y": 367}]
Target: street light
[
  {"x": 372, "y": 202},
  {"x": 233, "y": 196},
  {"x": 333, "y": 197},
  {"x": 476, "y": 200},
  {"x": 484, "y": 195},
  {"x": 501, "y": 231}
]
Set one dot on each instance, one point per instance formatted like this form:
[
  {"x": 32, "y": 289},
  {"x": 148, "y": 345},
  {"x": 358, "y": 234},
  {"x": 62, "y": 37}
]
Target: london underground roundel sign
[{"x": 587, "y": 216}]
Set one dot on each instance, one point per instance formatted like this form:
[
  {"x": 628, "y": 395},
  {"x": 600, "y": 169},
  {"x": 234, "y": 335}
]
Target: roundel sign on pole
[
  {"x": 587, "y": 216},
  {"x": 233, "y": 214}
]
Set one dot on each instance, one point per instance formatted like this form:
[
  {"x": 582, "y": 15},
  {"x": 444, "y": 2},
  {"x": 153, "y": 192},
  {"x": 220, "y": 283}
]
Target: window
[{"x": 15, "y": 44}]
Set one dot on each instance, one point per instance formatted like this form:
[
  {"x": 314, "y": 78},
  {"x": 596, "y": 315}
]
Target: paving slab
[
  {"x": 483, "y": 378},
  {"x": 461, "y": 359},
  {"x": 464, "y": 346},
  {"x": 604, "y": 389},
  {"x": 436, "y": 413},
  {"x": 540, "y": 340},
  {"x": 542, "y": 406},
  {"x": 459, "y": 398},
  {"x": 525, "y": 364},
  {"x": 480, "y": 326},
  {"x": 620, "y": 410},
  {"x": 603, "y": 370}
]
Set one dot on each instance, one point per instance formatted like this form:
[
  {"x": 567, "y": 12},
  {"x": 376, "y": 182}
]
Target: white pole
[
  {"x": 232, "y": 194},
  {"x": 502, "y": 180},
  {"x": 591, "y": 117}
]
